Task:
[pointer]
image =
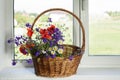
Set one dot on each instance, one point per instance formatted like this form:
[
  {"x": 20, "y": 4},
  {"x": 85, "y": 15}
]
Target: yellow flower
[
  {"x": 60, "y": 42},
  {"x": 50, "y": 49},
  {"x": 52, "y": 52},
  {"x": 55, "y": 48},
  {"x": 60, "y": 51}
]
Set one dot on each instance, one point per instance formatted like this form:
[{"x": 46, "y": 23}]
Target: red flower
[
  {"x": 29, "y": 32},
  {"x": 51, "y": 29},
  {"x": 43, "y": 31},
  {"x": 45, "y": 34},
  {"x": 22, "y": 49}
]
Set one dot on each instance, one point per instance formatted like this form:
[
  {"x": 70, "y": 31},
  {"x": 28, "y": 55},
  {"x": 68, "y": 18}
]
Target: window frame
[
  {"x": 81, "y": 10},
  {"x": 90, "y": 60}
]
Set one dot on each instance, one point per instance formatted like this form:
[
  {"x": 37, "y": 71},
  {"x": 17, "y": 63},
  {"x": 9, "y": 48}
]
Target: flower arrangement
[
  {"x": 47, "y": 43},
  {"x": 51, "y": 58}
]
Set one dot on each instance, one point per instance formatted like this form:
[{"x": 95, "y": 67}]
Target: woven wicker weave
[{"x": 60, "y": 66}]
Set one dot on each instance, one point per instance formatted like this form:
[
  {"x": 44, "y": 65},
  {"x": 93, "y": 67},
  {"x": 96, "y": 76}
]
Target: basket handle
[{"x": 60, "y": 9}]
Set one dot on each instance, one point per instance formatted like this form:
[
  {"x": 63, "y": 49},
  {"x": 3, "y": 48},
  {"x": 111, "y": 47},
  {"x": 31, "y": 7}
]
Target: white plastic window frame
[{"x": 95, "y": 61}]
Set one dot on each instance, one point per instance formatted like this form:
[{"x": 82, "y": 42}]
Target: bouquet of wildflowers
[
  {"x": 47, "y": 43},
  {"x": 51, "y": 58}
]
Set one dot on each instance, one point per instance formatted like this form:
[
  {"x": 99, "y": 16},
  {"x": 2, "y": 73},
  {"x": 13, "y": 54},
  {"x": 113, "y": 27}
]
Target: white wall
[
  {"x": 2, "y": 33},
  {"x": 5, "y": 32}
]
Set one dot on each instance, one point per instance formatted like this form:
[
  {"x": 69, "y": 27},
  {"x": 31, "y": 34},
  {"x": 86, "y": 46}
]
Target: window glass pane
[
  {"x": 104, "y": 27},
  {"x": 26, "y": 10}
]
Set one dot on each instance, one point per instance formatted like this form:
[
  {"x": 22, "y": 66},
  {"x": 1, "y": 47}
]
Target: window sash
[{"x": 95, "y": 61}]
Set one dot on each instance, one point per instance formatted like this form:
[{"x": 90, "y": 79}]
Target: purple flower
[
  {"x": 37, "y": 29},
  {"x": 51, "y": 43},
  {"x": 70, "y": 57},
  {"x": 37, "y": 53},
  {"x": 49, "y": 19},
  {"x": 28, "y": 25},
  {"x": 17, "y": 43},
  {"x": 53, "y": 56},
  {"x": 24, "y": 38},
  {"x": 18, "y": 38},
  {"x": 56, "y": 29},
  {"x": 29, "y": 61},
  {"x": 10, "y": 40},
  {"x": 57, "y": 35},
  {"x": 45, "y": 40},
  {"x": 13, "y": 62}
]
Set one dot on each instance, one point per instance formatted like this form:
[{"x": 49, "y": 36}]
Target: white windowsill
[{"x": 14, "y": 73}]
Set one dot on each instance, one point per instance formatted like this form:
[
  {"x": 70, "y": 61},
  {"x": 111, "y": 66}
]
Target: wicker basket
[{"x": 60, "y": 66}]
